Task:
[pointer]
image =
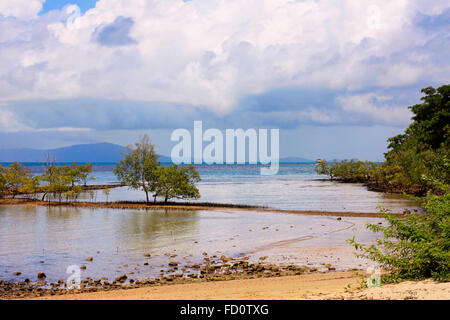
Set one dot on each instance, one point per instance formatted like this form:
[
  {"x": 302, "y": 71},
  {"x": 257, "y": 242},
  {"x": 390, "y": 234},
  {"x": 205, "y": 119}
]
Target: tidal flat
[{"x": 125, "y": 247}]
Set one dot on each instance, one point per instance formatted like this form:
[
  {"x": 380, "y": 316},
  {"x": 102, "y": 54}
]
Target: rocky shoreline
[{"x": 213, "y": 268}]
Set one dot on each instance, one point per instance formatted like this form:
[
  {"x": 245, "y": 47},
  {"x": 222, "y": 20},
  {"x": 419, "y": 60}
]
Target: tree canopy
[
  {"x": 141, "y": 170},
  {"x": 414, "y": 158},
  {"x": 137, "y": 170}
]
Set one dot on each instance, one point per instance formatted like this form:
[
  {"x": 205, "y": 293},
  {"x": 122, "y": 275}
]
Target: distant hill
[{"x": 98, "y": 152}]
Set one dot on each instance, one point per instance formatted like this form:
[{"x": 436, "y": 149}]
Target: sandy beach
[{"x": 309, "y": 286}]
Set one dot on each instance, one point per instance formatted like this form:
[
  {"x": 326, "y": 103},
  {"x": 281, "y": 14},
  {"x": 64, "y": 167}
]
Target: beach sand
[{"x": 316, "y": 286}]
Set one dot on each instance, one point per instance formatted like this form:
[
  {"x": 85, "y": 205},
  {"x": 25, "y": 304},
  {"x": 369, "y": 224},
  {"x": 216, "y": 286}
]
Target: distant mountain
[{"x": 98, "y": 152}]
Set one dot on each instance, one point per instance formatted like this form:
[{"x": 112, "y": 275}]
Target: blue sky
[
  {"x": 84, "y": 5},
  {"x": 335, "y": 78}
]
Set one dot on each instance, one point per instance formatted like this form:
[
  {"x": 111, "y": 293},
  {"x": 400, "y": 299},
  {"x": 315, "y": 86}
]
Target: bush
[{"x": 414, "y": 247}]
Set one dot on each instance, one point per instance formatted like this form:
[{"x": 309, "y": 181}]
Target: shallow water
[
  {"x": 295, "y": 187},
  {"x": 48, "y": 239}
]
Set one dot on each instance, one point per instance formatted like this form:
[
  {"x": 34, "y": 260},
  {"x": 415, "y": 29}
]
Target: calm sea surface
[
  {"x": 48, "y": 239},
  {"x": 296, "y": 186}
]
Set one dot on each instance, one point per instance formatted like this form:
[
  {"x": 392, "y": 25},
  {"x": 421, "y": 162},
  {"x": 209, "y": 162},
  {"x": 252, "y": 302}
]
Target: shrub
[{"x": 413, "y": 246}]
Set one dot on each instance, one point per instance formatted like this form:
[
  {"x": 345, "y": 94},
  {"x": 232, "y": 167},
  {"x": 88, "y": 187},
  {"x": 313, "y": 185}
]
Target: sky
[{"x": 336, "y": 77}]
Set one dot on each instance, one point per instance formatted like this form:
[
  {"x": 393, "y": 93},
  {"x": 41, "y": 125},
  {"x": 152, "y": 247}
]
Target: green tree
[
  {"x": 176, "y": 182},
  {"x": 84, "y": 172},
  {"x": 16, "y": 177},
  {"x": 3, "y": 184},
  {"x": 138, "y": 169},
  {"x": 416, "y": 157},
  {"x": 431, "y": 124},
  {"x": 413, "y": 246},
  {"x": 31, "y": 187}
]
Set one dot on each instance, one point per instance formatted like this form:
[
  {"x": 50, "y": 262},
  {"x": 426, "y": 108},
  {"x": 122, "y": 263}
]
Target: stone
[
  {"x": 90, "y": 259},
  {"x": 121, "y": 278},
  {"x": 41, "y": 275}
]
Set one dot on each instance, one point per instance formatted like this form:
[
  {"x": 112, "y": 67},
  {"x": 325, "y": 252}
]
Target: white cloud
[
  {"x": 24, "y": 9},
  {"x": 8, "y": 121},
  {"x": 210, "y": 53},
  {"x": 363, "y": 106}
]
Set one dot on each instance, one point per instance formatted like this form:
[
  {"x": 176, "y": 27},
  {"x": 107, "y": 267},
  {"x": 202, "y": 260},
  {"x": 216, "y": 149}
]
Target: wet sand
[{"x": 309, "y": 286}]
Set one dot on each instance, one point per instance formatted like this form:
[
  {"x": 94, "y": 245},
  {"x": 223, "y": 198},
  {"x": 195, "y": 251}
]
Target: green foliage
[
  {"x": 3, "y": 182},
  {"x": 414, "y": 246},
  {"x": 138, "y": 169},
  {"x": 414, "y": 158},
  {"x": 348, "y": 170},
  {"x": 431, "y": 126},
  {"x": 141, "y": 170},
  {"x": 84, "y": 171},
  {"x": 176, "y": 182},
  {"x": 16, "y": 178},
  {"x": 30, "y": 187},
  {"x": 57, "y": 181}
]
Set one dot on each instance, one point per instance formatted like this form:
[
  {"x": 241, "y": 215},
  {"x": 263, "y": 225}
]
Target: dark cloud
[
  {"x": 116, "y": 33},
  {"x": 281, "y": 108}
]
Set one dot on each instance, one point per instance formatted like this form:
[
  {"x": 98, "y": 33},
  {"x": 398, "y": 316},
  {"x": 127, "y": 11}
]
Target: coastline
[
  {"x": 319, "y": 286},
  {"x": 240, "y": 272}
]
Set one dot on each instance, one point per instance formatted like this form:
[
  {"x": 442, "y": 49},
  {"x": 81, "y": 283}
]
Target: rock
[
  {"x": 17, "y": 273},
  {"x": 122, "y": 278},
  {"x": 173, "y": 264},
  {"x": 339, "y": 218},
  {"x": 90, "y": 259},
  {"x": 147, "y": 255},
  {"x": 41, "y": 275},
  {"x": 146, "y": 264},
  {"x": 263, "y": 258},
  {"x": 83, "y": 267}
]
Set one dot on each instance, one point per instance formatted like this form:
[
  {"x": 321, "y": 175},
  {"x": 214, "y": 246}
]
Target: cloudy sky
[{"x": 335, "y": 76}]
